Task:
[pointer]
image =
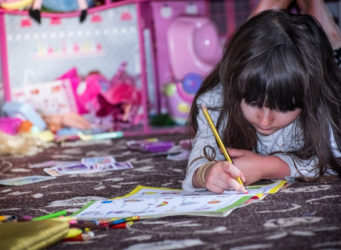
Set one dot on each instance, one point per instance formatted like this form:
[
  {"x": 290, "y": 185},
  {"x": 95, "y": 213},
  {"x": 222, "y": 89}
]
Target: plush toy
[
  {"x": 89, "y": 89},
  {"x": 15, "y": 4},
  {"x": 21, "y": 144},
  {"x": 122, "y": 100},
  {"x": 60, "y": 6},
  {"x": 116, "y": 102}
]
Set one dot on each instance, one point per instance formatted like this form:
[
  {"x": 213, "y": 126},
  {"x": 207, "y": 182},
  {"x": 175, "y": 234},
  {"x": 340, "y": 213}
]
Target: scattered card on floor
[
  {"x": 25, "y": 180},
  {"x": 116, "y": 166},
  {"x": 46, "y": 164},
  {"x": 102, "y": 160},
  {"x": 80, "y": 168},
  {"x": 76, "y": 168}
]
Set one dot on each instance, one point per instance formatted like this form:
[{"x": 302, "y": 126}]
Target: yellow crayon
[{"x": 216, "y": 135}]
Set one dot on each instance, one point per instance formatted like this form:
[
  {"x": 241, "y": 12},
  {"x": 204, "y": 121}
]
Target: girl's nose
[{"x": 265, "y": 117}]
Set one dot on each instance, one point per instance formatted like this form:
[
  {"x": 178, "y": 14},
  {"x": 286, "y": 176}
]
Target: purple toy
[{"x": 152, "y": 145}]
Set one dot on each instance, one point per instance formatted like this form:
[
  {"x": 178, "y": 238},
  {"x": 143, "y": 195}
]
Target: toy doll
[{"x": 60, "y": 6}]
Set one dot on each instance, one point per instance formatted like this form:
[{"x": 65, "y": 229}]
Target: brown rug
[{"x": 303, "y": 216}]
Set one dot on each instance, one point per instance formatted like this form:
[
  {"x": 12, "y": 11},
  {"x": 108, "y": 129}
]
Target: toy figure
[
  {"x": 56, "y": 122},
  {"x": 122, "y": 100},
  {"x": 60, "y": 6},
  {"x": 15, "y": 4}
]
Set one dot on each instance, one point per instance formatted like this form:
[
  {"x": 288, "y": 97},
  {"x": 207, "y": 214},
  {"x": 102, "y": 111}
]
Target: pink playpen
[{"x": 168, "y": 48}]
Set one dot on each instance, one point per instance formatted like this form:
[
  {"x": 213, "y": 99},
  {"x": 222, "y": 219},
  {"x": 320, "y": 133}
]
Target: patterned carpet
[{"x": 303, "y": 216}]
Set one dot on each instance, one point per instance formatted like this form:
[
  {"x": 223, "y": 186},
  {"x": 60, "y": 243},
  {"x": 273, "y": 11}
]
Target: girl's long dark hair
[{"x": 282, "y": 61}]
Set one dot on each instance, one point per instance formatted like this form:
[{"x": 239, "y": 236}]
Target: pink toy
[
  {"x": 24, "y": 111},
  {"x": 193, "y": 45},
  {"x": 122, "y": 100},
  {"x": 88, "y": 91},
  {"x": 72, "y": 76},
  {"x": 178, "y": 102},
  {"x": 123, "y": 93},
  {"x": 9, "y": 125},
  {"x": 180, "y": 96}
]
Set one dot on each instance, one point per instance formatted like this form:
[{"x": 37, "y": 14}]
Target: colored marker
[
  {"x": 81, "y": 237},
  {"x": 115, "y": 222},
  {"x": 89, "y": 225},
  {"x": 73, "y": 232},
  {"x": 50, "y": 216},
  {"x": 95, "y": 222},
  {"x": 122, "y": 225},
  {"x": 26, "y": 218},
  {"x": 8, "y": 218},
  {"x": 108, "y": 135}
]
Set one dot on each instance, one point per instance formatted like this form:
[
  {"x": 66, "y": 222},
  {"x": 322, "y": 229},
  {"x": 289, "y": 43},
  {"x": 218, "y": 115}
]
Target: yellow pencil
[{"x": 216, "y": 135}]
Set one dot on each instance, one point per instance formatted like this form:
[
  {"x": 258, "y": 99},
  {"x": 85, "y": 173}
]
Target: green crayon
[{"x": 50, "y": 216}]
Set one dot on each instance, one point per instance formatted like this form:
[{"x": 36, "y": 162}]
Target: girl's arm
[
  {"x": 307, "y": 168},
  {"x": 256, "y": 166},
  {"x": 280, "y": 165},
  {"x": 216, "y": 176},
  {"x": 196, "y": 158},
  {"x": 203, "y": 138}
]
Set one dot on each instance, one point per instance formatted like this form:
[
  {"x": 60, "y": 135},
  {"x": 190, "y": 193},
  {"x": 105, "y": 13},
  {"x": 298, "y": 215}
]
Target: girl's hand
[
  {"x": 256, "y": 167},
  {"x": 222, "y": 176}
]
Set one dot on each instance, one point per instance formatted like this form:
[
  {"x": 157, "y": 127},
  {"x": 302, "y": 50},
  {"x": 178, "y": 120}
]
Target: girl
[{"x": 275, "y": 98}]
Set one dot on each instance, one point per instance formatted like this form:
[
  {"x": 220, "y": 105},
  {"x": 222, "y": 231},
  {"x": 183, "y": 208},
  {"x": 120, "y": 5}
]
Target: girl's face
[{"x": 267, "y": 121}]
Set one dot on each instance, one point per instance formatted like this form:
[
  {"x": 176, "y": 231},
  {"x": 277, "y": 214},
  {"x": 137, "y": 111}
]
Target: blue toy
[
  {"x": 24, "y": 111},
  {"x": 60, "y": 6},
  {"x": 64, "y": 5}
]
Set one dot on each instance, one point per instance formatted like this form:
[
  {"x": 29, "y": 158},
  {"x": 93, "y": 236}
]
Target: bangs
[{"x": 275, "y": 84}]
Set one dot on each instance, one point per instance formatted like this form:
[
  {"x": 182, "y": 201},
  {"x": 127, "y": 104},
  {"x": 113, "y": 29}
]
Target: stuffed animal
[
  {"x": 21, "y": 144},
  {"x": 15, "y": 4},
  {"x": 122, "y": 100}
]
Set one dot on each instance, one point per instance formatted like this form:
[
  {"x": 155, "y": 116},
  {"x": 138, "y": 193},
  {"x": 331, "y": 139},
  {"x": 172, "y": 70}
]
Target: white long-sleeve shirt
[{"x": 286, "y": 139}]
